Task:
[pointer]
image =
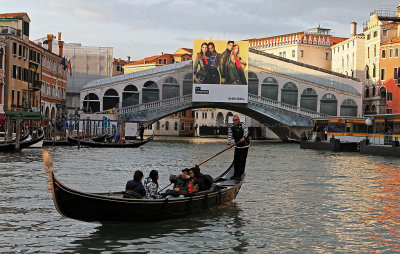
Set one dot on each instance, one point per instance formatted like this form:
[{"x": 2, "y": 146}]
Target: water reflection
[
  {"x": 384, "y": 218},
  {"x": 189, "y": 231}
]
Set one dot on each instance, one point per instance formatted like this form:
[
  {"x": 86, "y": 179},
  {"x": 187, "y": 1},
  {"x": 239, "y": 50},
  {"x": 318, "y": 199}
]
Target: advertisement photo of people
[{"x": 220, "y": 63}]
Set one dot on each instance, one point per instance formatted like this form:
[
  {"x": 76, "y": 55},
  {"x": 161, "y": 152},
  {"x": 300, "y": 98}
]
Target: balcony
[
  {"x": 10, "y": 30},
  {"x": 35, "y": 86}
]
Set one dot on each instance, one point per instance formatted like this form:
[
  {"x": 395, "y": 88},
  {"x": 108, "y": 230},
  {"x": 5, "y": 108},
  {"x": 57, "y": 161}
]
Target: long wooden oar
[{"x": 215, "y": 155}]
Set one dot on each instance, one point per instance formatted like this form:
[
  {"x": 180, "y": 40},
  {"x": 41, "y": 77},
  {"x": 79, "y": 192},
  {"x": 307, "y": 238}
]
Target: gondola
[
  {"x": 11, "y": 147},
  {"x": 100, "y": 138},
  {"x": 22, "y": 138},
  {"x": 105, "y": 207},
  {"x": 127, "y": 144}
]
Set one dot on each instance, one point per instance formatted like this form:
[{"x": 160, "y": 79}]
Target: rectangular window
[
  {"x": 183, "y": 113},
  {"x": 348, "y": 45},
  {"x": 375, "y": 34},
  {"x": 12, "y": 97},
  {"x": 383, "y": 53},
  {"x": 18, "y": 95},
  {"x": 38, "y": 57},
  {"x": 191, "y": 126},
  {"x": 389, "y": 96},
  {"x": 293, "y": 53},
  {"x": 385, "y": 33},
  {"x": 390, "y": 53},
  {"x": 159, "y": 61},
  {"x": 395, "y": 76},
  {"x": 14, "y": 74},
  {"x": 301, "y": 53},
  {"x": 19, "y": 50},
  {"x": 382, "y": 74},
  {"x": 389, "y": 111},
  {"x": 368, "y": 36},
  {"x": 326, "y": 56},
  {"x": 14, "y": 48},
  {"x": 182, "y": 126},
  {"x": 19, "y": 73},
  {"x": 284, "y": 54},
  {"x": 368, "y": 52},
  {"x": 396, "y": 52}
]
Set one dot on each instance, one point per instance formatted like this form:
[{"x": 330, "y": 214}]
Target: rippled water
[{"x": 292, "y": 200}]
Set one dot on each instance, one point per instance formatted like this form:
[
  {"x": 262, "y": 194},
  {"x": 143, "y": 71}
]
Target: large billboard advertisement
[{"x": 220, "y": 71}]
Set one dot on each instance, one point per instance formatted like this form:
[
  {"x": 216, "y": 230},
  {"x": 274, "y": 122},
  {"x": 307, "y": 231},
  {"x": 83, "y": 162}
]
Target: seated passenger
[
  {"x": 135, "y": 187},
  {"x": 181, "y": 183},
  {"x": 151, "y": 185},
  {"x": 192, "y": 187},
  {"x": 204, "y": 182}
]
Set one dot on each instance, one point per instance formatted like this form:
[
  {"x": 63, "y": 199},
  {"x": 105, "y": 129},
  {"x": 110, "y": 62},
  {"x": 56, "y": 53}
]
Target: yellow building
[
  {"x": 183, "y": 54},
  {"x": 311, "y": 47}
]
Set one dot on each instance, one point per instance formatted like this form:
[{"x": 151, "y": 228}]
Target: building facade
[
  {"x": 2, "y": 71},
  {"x": 23, "y": 72},
  {"x": 178, "y": 124},
  {"x": 88, "y": 63},
  {"x": 148, "y": 63},
  {"x": 54, "y": 82},
  {"x": 348, "y": 56},
  {"x": 311, "y": 47},
  {"x": 389, "y": 75},
  {"x": 381, "y": 28},
  {"x": 118, "y": 66}
]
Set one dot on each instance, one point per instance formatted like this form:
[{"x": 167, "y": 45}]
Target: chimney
[
  {"x": 398, "y": 10},
  {"x": 353, "y": 28},
  {"x": 50, "y": 42},
  {"x": 59, "y": 36},
  {"x": 119, "y": 60},
  {"x": 128, "y": 59},
  {"x": 60, "y": 48}
]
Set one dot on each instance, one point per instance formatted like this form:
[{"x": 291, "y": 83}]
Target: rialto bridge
[{"x": 283, "y": 93}]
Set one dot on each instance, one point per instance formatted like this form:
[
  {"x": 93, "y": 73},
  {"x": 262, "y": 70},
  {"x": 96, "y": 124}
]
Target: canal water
[{"x": 292, "y": 200}]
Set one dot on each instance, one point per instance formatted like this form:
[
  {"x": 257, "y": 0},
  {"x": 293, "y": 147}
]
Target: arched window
[
  {"x": 253, "y": 83},
  {"x": 91, "y": 103},
  {"x": 348, "y": 108},
  {"x": 130, "y": 96},
  {"x": 175, "y": 126},
  {"x": 328, "y": 105},
  {"x": 309, "y": 99},
  {"x": 150, "y": 92},
  {"x": 289, "y": 94},
  {"x": 269, "y": 88},
  {"x": 110, "y": 99},
  {"x": 373, "y": 91},
  {"x": 373, "y": 109},
  {"x": 220, "y": 119},
  {"x": 188, "y": 84},
  {"x": 228, "y": 116},
  {"x": 383, "y": 92},
  {"x": 366, "y": 91},
  {"x": 170, "y": 88}
]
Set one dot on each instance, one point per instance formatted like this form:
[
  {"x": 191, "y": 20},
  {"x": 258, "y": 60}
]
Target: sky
[{"x": 140, "y": 28}]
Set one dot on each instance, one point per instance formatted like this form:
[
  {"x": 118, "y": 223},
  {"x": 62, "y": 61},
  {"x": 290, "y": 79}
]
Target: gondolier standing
[{"x": 240, "y": 133}]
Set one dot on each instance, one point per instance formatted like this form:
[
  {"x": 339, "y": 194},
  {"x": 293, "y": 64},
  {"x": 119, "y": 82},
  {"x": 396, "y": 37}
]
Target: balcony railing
[
  {"x": 10, "y": 30},
  {"x": 36, "y": 85}
]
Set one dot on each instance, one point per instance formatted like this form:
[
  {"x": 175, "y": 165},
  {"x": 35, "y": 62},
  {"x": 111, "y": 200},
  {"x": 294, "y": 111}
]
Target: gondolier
[{"x": 240, "y": 134}]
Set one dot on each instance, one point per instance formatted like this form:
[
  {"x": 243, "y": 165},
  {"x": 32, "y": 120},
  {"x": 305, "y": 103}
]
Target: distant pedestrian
[
  {"x": 240, "y": 133},
  {"x": 141, "y": 131}
]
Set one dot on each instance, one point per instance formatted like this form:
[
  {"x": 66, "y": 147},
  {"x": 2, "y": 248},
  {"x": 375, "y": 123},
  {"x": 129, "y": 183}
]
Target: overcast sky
[{"x": 140, "y": 28}]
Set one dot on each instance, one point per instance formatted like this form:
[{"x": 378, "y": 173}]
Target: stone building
[
  {"x": 311, "y": 47},
  {"x": 2, "y": 71}
]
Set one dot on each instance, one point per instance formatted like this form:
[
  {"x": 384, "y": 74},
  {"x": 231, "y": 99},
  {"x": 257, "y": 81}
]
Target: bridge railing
[
  {"x": 156, "y": 104},
  {"x": 285, "y": 106},
  {"x": 188, "y": 98}
]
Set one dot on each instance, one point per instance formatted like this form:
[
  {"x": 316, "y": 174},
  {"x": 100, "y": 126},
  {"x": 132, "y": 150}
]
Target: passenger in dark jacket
[
  {"x": 204, "y": 182},
  {"x": 135, "y": 186}
]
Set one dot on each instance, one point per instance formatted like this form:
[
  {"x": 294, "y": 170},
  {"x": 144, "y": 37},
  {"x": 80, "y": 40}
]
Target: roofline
[{"x": 301, "y": 64}]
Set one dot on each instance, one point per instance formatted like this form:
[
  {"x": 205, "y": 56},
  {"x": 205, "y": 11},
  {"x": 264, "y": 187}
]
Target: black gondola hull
[
  {"x": 113, "y": 207},
  {"x": 91, "y": 143}
]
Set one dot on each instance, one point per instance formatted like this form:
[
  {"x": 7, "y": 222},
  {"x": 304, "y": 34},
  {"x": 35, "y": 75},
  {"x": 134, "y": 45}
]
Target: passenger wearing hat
[{"x": 240, "y": 133}]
